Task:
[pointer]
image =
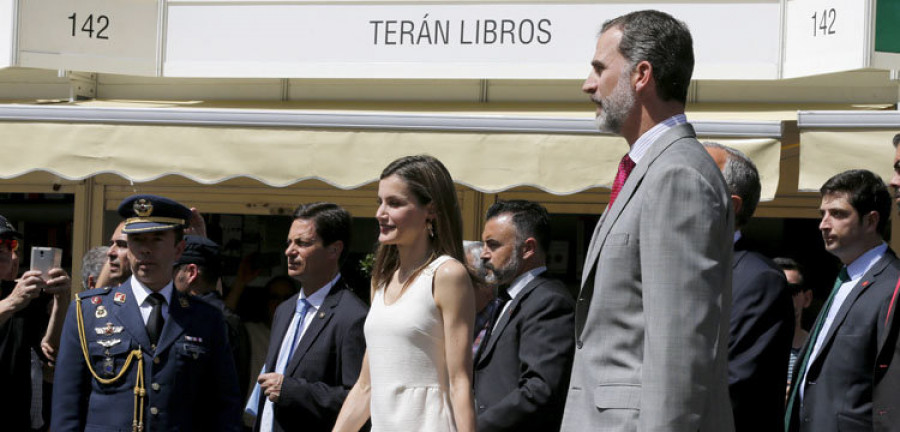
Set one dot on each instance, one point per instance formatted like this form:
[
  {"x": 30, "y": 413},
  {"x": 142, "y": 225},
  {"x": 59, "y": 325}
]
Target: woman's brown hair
[{"x": 429, "y": 182}]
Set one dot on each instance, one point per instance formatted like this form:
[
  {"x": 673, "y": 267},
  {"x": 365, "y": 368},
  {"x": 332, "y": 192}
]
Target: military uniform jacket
[{"x": 190, "y": 378}]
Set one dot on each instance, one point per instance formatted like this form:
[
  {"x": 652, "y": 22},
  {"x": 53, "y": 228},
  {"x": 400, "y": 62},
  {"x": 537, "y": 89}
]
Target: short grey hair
[
  {"x": 743, "y": 180},
  {"x": 472, "y": 251},
  {"x": 92, "y": 264}
]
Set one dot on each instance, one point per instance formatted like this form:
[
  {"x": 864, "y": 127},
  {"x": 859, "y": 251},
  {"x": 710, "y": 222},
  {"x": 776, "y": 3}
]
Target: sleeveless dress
[{"x": 407, "y": 366}]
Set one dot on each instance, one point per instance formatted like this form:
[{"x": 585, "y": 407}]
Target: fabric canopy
[
  {"x": 836, "y": 141},
  {"x": 490, "y": 153}
]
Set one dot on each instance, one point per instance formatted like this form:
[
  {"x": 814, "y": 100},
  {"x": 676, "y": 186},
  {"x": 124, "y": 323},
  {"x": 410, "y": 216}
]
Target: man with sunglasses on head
[{"x": 26, "y": 327}]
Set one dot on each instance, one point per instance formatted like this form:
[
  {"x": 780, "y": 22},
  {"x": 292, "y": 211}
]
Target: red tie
[{"x": 625, "y": 167}]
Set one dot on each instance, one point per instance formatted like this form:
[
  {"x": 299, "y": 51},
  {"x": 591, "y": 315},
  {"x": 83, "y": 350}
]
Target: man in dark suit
[
  {"x": 317, "y": 344},
  {"x": 762, "y": 315},
  {"x": 833, "y": 380},
  {"x": 885, "y": 398},
  {"x": 142, "y": 354},
  {"x": 197, "y": 273},
  {"x": 522, "y": 365},
  {"x": 651, "y": 321}
]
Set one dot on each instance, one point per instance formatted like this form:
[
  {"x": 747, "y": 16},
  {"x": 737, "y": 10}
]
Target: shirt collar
[
  {"x": 646, "y": 140},
  {"x": 524, "y": 279},
  {"x": 141, "y": 292},
  {"x": 861, "y": 265},
  {"x": 318, "y": 297}
]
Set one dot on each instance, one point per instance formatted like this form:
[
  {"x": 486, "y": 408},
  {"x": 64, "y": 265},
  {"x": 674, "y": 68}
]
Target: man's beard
[
  {"x": 505, "y": 274},
  {"x": 615, "y": 108}
]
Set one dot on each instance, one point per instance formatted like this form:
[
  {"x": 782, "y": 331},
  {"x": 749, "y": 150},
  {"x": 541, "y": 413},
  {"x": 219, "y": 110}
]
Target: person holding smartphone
[{"x": 26, "y": 328}]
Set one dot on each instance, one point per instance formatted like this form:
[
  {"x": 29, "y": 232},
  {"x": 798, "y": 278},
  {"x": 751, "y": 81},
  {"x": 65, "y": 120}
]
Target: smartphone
[{"x": 44, "y": 259}]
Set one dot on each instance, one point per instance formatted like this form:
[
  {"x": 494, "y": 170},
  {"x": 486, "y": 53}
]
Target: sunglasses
[
  {"x": 12, "y": 244},
  {"x": 795, "y": 288}
]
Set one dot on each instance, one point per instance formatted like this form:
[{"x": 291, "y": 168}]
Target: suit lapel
[
  {"x": 283, "y": 318},
  {"x": 319, "y": 321},
  {"x": 737, "y": 257},
  {"x": 628, "y": 190},
  {"x": 129, "y": 314},
  {"x": 506, "y": 317},
  {"x": 864, "y": 283},
  {"x": 179, "y": 319}
]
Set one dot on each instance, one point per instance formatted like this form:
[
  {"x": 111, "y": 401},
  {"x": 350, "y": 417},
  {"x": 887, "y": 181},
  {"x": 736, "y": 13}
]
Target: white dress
[{"x": 407, "y": 366}]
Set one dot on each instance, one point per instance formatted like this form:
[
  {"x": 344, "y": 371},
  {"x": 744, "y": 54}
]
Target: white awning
[
  {"x": 558, "y": 152},
  {"x": 835, "y": 141}
]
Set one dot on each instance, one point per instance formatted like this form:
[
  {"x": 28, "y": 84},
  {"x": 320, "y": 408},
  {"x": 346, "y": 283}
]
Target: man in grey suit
[{"x": 651, "y": 320}]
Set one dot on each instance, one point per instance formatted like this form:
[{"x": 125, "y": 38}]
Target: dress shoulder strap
[{"x": 435, "y": 264}]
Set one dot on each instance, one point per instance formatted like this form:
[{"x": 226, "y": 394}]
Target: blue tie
[
  {"x": 284, "y": 356},
  {"x": 293, "y": 333}
]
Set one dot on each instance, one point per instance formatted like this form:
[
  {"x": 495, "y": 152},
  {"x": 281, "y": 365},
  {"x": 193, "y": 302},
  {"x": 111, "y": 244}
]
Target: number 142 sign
[
  {"x": 823, "y": 36},
  {"x": 111, "y": 36}
]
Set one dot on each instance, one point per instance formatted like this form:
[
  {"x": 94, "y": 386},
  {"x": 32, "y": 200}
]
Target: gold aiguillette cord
[{"x": 137, "y": 424}]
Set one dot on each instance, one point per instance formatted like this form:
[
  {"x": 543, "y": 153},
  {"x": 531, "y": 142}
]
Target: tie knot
[
  {"x": 302, "y": 306},
  {"x": 843, "y": 276},
  {"x": 627, "y": 164},
  {"x": 156, "y": 299},
  {"x": 503, "y": 295}
]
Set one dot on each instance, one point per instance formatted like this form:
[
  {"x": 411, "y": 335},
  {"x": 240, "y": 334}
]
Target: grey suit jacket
[{"x": 651, "y": 321}]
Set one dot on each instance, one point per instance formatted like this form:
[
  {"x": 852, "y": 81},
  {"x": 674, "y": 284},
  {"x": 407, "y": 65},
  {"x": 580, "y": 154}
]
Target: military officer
[{"x": 142, "y": 356}]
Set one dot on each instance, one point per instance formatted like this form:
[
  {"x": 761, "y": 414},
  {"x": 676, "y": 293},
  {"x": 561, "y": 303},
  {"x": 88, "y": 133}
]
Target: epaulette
[{"x": 94, "y": 292}]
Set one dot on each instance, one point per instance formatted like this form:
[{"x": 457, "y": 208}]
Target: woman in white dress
[{"x": 417, "y": 372}]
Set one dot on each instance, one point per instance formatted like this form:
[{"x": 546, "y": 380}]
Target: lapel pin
[
  {"x": 96, "y": 300},
  {"x": 100, "y": 312},
  {"x": 321, "y": 314},
  {"x": 119, "y": 298},
  {"x": 183, "y": 302},
  {"x": 865, "y": 284}
]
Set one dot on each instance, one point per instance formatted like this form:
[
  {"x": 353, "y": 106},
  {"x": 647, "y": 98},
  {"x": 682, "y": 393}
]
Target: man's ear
[
  {"x": 871, "y": 220},
  {"x": 642, "y": 76},
  {"x": 738, "y": 203},
  {"x": 91, "y": 282},
  {"x": 529, "y": 248},
  {"x": 193, "y": 272},
  {"x": 179, "y": 249},
  {"x": 336, "y": 248}
]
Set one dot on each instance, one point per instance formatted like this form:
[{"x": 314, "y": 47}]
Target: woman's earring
[{"x": 430, "y": 229}]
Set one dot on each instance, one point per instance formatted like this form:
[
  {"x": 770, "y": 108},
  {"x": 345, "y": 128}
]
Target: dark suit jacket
[
  {"x": 761, "y": 330},
  {"x": 885, "y": 397},
  {"x": 238, "y": 339},
  {"x": 839, "y": 384},
  {"x": 325, "y": 364},
  {"x": 190, "y": 379},
  {"x": 522, "y": 373}
]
